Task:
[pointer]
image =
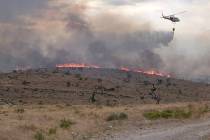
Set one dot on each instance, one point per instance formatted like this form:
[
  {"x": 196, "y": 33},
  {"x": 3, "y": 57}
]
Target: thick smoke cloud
[
  {"x": 132, "y": 49},
  {"x": 53, "y": 37},
  {"x": 45, "y": 33},
  {"x": 9, "y": 9},
  {"x": 110, "y": 33},
  {"x": 188, "y": 58},
  {"x": 111, "y": 40}
]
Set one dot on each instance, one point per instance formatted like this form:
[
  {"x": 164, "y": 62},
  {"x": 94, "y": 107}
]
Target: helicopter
[{"x": 173, "y": 17}]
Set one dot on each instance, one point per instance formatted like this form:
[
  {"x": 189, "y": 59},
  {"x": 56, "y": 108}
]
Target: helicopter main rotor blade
[{"x": 178, "y": 13}]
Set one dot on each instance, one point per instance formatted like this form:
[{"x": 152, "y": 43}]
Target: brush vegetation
[
  {"x": 167, "y": 114},
  {"x": 117, "y": 116},
  {"x": 64, "y": 123},
  {"x": 52, "y": 131},
  {"x": 39, "y": 136},
  {"x": 176, "y": 113}
]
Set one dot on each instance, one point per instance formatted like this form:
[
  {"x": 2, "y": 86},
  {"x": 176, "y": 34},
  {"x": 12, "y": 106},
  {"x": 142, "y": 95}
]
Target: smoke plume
[{"x": 68, "y": 34}]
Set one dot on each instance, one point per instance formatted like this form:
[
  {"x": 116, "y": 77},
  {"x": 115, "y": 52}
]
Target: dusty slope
[{"x": 76, "y": 86}]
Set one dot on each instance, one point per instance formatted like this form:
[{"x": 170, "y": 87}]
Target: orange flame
[
  {"x": 74, "y": 65},
  {"x": 124, "y": 69},
  {"x": 149, "y": 72}
]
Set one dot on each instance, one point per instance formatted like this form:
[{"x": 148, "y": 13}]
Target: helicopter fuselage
[{"x": 172, "y": 18}]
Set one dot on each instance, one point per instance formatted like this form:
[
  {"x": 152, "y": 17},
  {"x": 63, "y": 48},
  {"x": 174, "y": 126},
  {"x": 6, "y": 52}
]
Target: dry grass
[{"x": 44, "y": 122}]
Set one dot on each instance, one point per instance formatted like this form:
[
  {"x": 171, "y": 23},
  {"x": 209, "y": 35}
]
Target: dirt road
[{"x": 191, "y": 131}]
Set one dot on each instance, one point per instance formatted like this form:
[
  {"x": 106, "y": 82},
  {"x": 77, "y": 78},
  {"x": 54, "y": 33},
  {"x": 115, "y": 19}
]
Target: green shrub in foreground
[
  {"x": 52, "y": 131},
  {"x": 168, "y": 114},
  {"x": 66, "y": 123},
  {"x": 39, "y": 136},
  {"x": 182, "y": 114},
  {"x": 152, "y": 115}
]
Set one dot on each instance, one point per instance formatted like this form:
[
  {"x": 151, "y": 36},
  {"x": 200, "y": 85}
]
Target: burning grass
[{"x": 138, "y": 70}]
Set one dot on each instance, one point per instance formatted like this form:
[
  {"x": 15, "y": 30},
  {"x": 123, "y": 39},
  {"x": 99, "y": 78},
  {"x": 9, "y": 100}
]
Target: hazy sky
[{"x": 39, "y": 32}]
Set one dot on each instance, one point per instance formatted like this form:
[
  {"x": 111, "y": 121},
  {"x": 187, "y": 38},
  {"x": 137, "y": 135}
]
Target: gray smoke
[
  {"x": 188, "y": 58},
  {"x": 107, "y": 40},
  {"x": 132, "y": 50},
  {"x": 111, "y": 40},
  {"x": 10, "y": 9}
]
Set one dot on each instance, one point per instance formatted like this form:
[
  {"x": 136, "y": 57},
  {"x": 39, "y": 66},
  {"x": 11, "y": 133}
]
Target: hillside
[{"x": 108, "y": 86}]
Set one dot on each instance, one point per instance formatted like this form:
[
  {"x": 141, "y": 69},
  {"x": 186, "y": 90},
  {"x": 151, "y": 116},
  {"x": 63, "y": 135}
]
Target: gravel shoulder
[{"x": 199, "y": 130}]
